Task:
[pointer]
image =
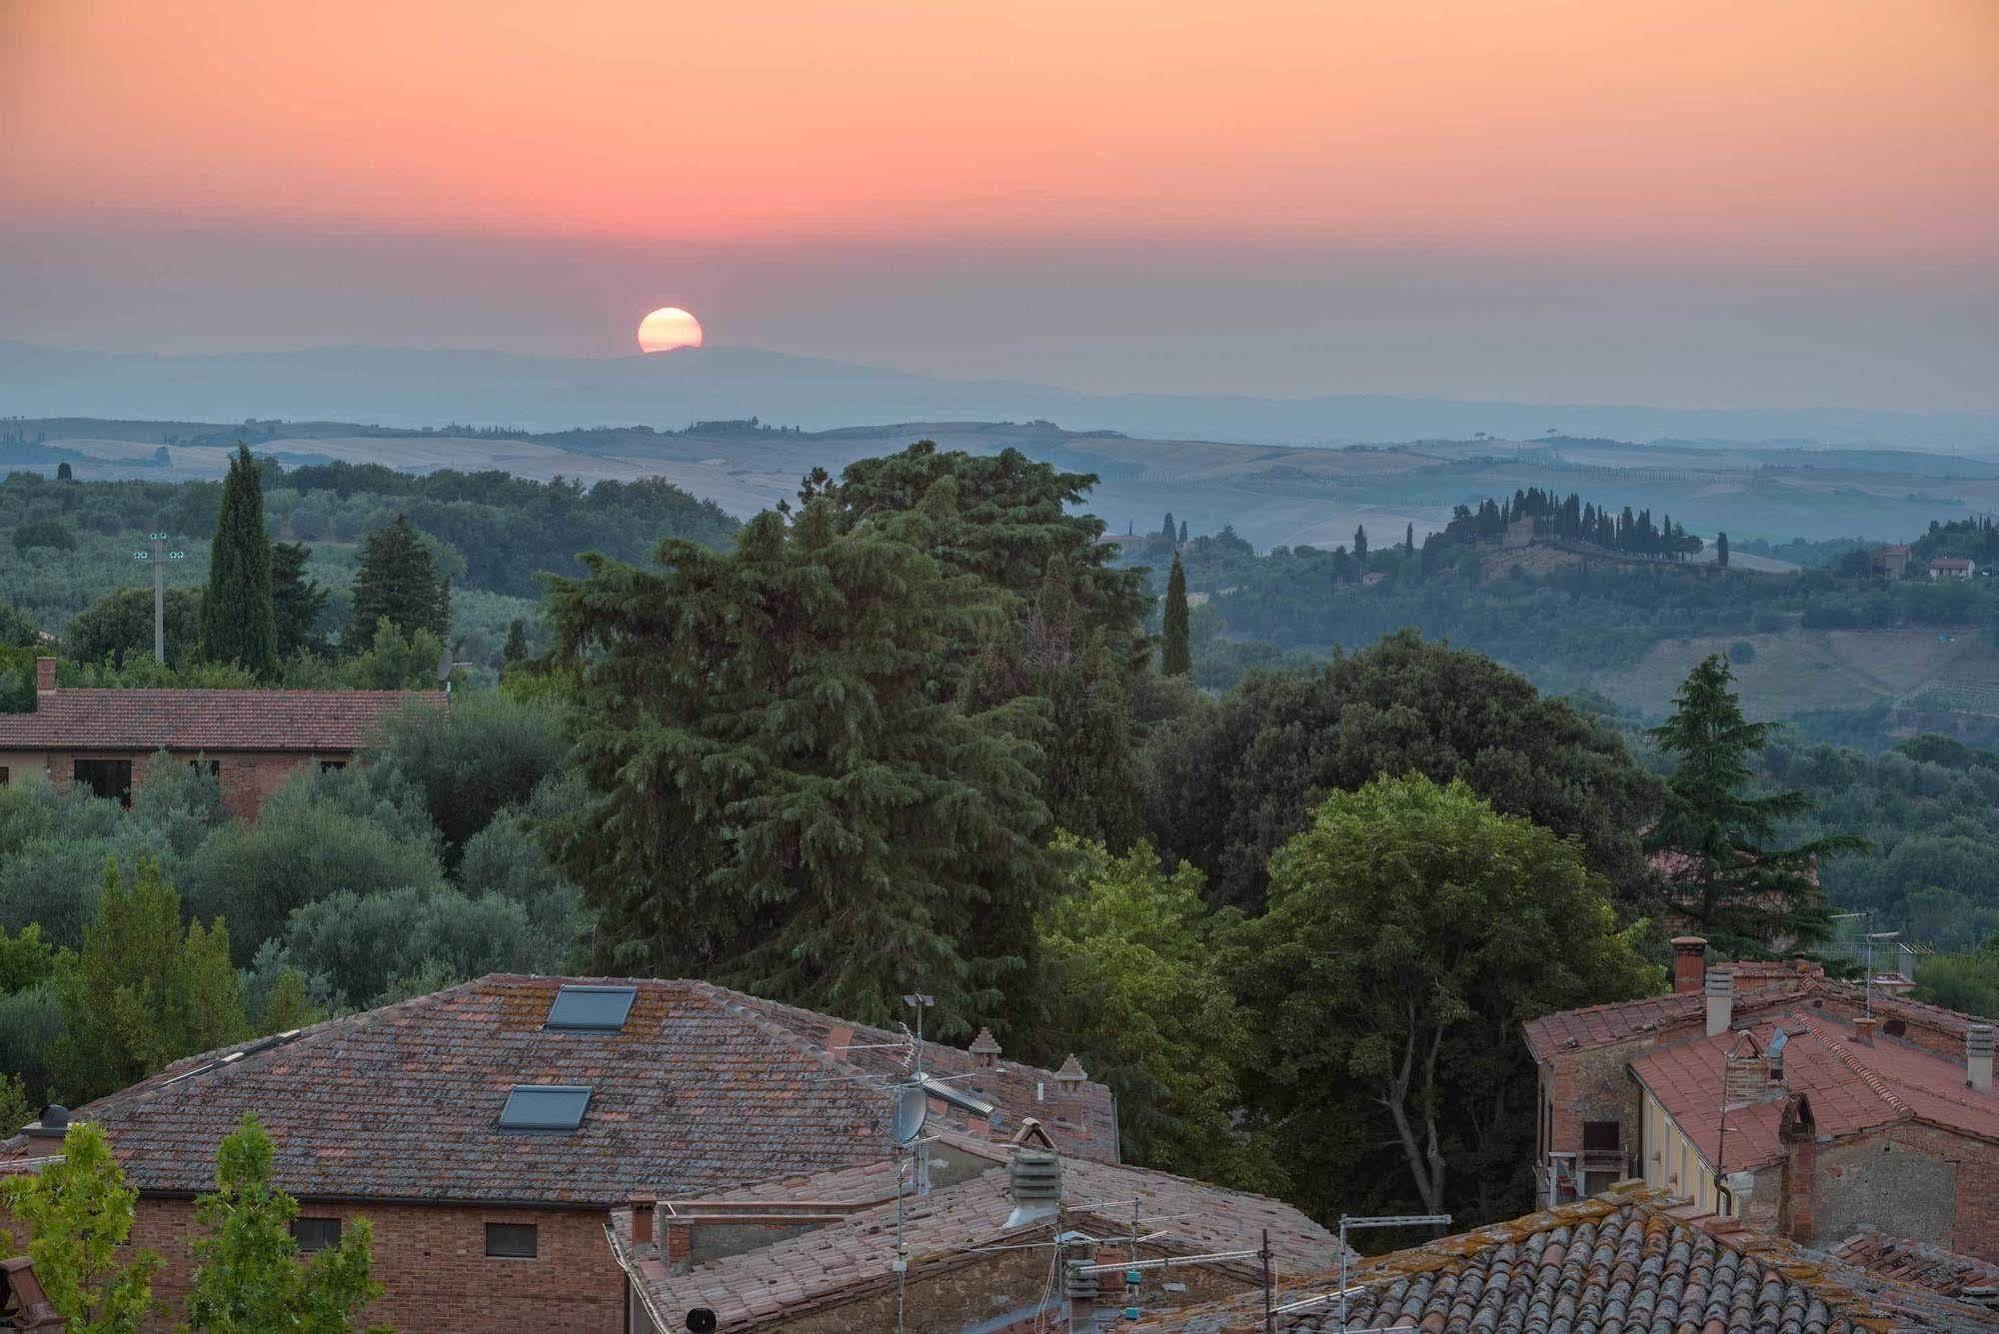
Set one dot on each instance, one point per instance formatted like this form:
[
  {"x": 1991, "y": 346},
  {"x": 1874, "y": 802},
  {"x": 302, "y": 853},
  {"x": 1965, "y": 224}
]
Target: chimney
[
  {"x": 1069, "y": 1080},
  {"x": 1798, "y": 1131},
  {"x": 1744, "y": 1074},
  {"x": 1689, "y": 962},
  {"x": 45, "y": 676},
  {"x": 837, "y": 1038},
  {"x": 677, "y": 1247},
  {"x": 642, "y": 1206},
  {"x": 1034, "y": 1182},
  {"x": 1978, "y": 1057},
  {"x": 1720, "y": 987},
  {"x": 985, "y": 1049},
  {"x": 1863, "y": 1030}
]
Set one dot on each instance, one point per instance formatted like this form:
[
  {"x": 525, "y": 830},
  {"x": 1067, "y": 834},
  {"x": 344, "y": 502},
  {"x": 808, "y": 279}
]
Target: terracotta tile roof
[
  {"x": 1621, "y": 1021},
  {"x": 1620, "y": 1262},
  {"x": 1851, "y": 1088},
  {"x": 840, "y": 1261},
  {"x": 182, "y": 720},
  {"x": 1923, "y": 1264},
  {"x": 697, "y": 1091}
]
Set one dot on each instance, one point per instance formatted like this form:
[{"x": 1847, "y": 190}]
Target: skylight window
[
  {"x": 545, "y": 1107},
  {"x": 591, "y": 1009}
]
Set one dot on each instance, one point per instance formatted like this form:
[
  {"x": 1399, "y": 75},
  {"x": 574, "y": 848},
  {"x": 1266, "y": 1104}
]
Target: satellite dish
[{"x": 912, "y": 1106}]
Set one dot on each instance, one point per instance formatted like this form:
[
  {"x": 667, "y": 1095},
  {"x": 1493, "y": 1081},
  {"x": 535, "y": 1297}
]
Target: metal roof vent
[
  {"x": 590, "y": 1009},
  {"x": 1034, "y": 1180},
  {"x": 54, "y": 1123}
]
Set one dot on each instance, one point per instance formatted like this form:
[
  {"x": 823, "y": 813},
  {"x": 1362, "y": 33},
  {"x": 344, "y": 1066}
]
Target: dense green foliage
[
  {"x": 397, "y": 583},
  {"x": 1411, "y": 929},
  {"x": 782, "y": 767},
  {"x": 247, "y": 1276},
  {"x": 238, "y": 618},
  {"x": 77, "y": 1212},
  {"x": 1229, "y": 783}
]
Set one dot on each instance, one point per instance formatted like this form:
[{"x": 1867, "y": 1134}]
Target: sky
[{"x": 1696, "y": 203}]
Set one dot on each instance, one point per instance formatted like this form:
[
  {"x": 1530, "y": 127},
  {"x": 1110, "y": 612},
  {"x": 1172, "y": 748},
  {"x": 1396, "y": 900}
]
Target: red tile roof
[
  {"x": 1620, "y": 1262},
  {"x": 839, "y": 1261},
  {"x": 301, "y": 721},
  {"x": 1852, "y": 1088},
  {"x": 1924, "y": 1264},
  {"x": 699, "y": 1090}
]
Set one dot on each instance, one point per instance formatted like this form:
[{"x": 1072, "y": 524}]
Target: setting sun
[{"x": 668, "y": 329}]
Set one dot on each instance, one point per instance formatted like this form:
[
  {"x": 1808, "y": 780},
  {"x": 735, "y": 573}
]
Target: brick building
[
  {"x": 488, "y": 1131},
  {"x": 817, "y": 1254},
  {"x": 1803, "y": 1105},
  {"x": 1630, "y": 1259},
  {"x": 251, "y": 740}
]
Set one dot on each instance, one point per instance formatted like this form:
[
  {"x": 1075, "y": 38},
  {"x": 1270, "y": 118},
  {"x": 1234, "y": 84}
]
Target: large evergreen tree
[
  {"x": 1724, "y": 879},
  {"x": 238, "y": 615},
  {"x": 296, "y": 599},
  {"x": 397, "y": 582},
  {"x": 1176, "y": 653},
  {"x": 788, "y": 795}
]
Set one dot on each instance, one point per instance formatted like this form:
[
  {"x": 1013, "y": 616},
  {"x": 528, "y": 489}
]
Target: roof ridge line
[{"x": 1852, "y": 1062}]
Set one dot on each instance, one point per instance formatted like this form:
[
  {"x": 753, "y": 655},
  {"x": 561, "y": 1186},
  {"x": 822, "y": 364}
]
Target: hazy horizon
[{"x": 1791, "y": 206}]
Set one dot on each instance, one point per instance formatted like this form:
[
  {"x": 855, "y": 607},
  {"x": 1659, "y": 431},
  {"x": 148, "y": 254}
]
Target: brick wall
[
  {"x": 247, "y": 778},
  {"x": 432, "y": 1262}
]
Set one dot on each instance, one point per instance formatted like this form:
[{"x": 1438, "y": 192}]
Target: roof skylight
[
  {"x": 545, "y": 1107},
  {"x": 591, "y": 1009}
]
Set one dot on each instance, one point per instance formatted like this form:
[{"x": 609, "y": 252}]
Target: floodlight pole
[
  {"x": 1378, "y": 1220},
  {"x": 157, "y": 555}
]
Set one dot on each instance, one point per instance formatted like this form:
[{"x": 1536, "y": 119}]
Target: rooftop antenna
[
  {"x": 156, "y": 554},
  {"x": 912, "y": 1107},
  {"x": 1378, "y": 1220},
  {"x": 1873, "y": 936}
]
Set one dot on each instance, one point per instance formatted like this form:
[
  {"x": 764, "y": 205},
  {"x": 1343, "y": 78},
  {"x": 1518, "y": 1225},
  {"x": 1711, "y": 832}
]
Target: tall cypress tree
[
  {"x": 1721, "y": 550},
  {"x": 239, "y": 621},
  {"x": 1360, "y": 546},
  {"x": 398, "y": 582},
  {"x": 1723, "y": 879},
  {"x": 1176, "y": 654}
]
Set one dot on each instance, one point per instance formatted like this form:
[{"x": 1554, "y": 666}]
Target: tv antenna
[{"x": 155, "y": 553}]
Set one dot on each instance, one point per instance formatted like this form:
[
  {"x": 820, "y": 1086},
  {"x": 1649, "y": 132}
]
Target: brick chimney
[
  {"x": 1863, "y": 1030},
  {"x": 985, "y": 1049},
  {"x": 642, "y": 1207},
  {"x": 1720, "y": 988},
  {"x": 1746, "y": 1075},
  {"x": 677, "y": 1246},
  {"x": 45, "y": 676},
  {"x": 1689, "y": 962},
  {"x": 837, "y": 1038},
  {"x": 1978, "y": 1057},
  {"x": 1069, "y": 1081},
  {"x": 1798, "y": 1131}
]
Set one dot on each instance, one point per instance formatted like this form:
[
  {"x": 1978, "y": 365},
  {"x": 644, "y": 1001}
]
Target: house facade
[
  {"x": 1804, "y": 1106},
  {"x": 251, "y": 740},
  {"x": 489, "y": 1132}
]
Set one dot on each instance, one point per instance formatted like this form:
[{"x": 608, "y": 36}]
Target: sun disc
[{"x": 667, "y": 329}]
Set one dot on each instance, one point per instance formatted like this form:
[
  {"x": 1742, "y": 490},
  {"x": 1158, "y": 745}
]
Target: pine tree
[
  {"x": 1176, "y": 656},
  {"x": 780, "y": 770},
  {"x": 296, "y": 600},
  {"x": 238, "y": 615},
  {"x": 398, "y": 582},
  {"x": 1724, "y": 881},
  {"x": 1721, "y": 550}
]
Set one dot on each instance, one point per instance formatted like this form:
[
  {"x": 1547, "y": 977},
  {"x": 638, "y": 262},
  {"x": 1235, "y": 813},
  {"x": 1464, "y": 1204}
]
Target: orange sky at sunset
[{"x": 1834, "y": 126}]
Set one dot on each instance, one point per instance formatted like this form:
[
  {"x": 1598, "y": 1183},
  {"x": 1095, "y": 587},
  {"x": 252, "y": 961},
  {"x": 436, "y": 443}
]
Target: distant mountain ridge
[{"x": 419, "y": 387}]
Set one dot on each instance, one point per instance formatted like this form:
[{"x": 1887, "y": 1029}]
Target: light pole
[{"x": 157, "y": 556}]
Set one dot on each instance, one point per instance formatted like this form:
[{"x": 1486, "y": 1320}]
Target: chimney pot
[
  {"x": 985, "y": 1049},
  {"x": 1978, "y": 1057},
  {"x": 642, "y": 1207},
  {"x": 45, "y": 676},
  {"x": 1720, "y": 988},
  {"x": 1689, "y": 962},
  {"x": 1863, "y": 1030}
]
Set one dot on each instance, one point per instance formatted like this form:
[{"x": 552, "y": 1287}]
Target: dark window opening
[
  {"x": 3, "y": 775},
  {"x": 511, "y": 1241},
  {"x": 315, "y": 1234},
  {"x": 1602, "y": 1137},
  {"x": 331, "y": 766},
  {"x": 110, "y": 779},
  {"x": 213, "y": 768},
  {"x": 1894, "y": 1028}
]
